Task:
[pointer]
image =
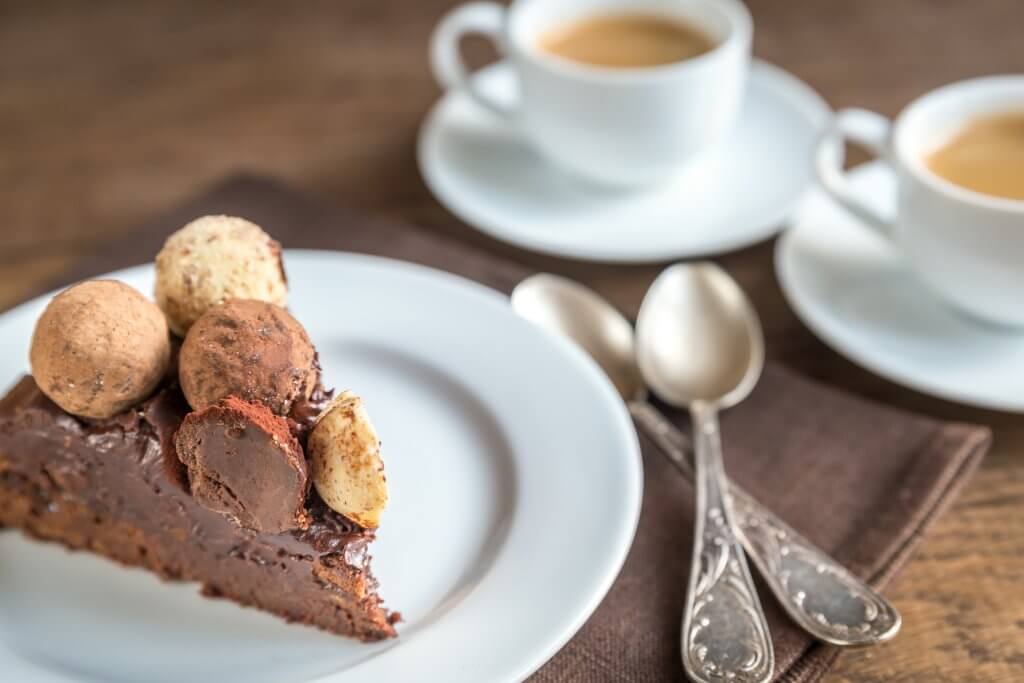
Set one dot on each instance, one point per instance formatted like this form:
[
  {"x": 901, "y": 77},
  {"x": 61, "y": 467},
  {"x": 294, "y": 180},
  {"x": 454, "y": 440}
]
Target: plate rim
[
  {"x": 787, "y": 85},
  {"x": 620, "y": 540},
  {"x": 785, "y": 269}
]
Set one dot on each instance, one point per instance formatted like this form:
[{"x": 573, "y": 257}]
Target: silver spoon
[
  {"x": 819, "y": 594},
  {"x": 699, "y": 345}
]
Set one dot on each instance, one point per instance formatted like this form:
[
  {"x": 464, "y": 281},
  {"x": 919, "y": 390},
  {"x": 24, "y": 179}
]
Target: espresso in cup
[
  {"x": 627, "y": 40},
  {"x": 985, "y": 155}
]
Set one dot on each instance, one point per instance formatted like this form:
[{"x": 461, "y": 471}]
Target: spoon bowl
[
  {"x": 577, "y": 312},
  {"x": 701, "y": 338}
]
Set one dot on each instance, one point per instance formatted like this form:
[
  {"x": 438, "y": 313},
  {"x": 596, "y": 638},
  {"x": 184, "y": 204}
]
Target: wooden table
[{"x": 110, "y": 111}]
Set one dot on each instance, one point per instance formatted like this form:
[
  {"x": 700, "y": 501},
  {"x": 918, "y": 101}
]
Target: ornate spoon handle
[
  {"x": 725, "y": 635},
  {"x": 819, "y": 594}
]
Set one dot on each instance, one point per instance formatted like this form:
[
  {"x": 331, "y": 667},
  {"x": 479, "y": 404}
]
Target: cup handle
[
  {"x": 868, "y": 129},
  {"x": 484, "y": 18}
]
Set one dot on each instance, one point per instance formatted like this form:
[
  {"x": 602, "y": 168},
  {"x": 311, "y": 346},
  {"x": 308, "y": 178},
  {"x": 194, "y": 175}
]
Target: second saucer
[
  {"x": 486, "y": 174},
  {"x": 856, "y": 293}
]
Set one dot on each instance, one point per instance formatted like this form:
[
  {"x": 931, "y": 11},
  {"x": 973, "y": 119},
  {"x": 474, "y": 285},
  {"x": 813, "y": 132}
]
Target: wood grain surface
[{"x": 110, "y": 111}]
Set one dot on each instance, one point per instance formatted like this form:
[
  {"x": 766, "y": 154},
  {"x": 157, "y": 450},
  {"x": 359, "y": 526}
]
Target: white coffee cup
[
  {"x": 968, "y": 246},
  {"x": 613, "y": 126}
]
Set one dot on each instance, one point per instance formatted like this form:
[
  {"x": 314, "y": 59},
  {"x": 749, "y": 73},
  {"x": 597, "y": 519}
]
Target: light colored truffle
[
  {"x": 251, "y": 349},
  {"x": 346, "y": 468},
  {"x": 99, "y": 348},
  {"x": 214, "y": 259}
]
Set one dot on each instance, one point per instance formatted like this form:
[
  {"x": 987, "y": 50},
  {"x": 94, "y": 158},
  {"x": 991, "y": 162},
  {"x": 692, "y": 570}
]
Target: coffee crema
[
  {"x": 627, "y": 40},
  {"x": 986, "y": 155}
]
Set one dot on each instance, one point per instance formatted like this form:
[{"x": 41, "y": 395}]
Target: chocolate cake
[{"x": 213, "y": 484}]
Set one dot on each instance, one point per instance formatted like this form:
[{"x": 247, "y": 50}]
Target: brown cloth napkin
[{"x": 861, "y": 480}]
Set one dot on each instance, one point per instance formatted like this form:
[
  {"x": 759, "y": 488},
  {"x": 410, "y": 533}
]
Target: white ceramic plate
[
  {"x": 855, "y": 292},
  {"x": 515, "y": 481},
  {"x": 480, "y": 168}
]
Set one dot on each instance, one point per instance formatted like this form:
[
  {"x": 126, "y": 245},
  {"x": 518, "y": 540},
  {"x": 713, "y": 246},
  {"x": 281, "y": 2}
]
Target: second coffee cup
[
  {"x": 965, "y": 241},
  {"x": 664, "y": 89}
]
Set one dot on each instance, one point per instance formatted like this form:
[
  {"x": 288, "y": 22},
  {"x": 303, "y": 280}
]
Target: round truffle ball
[
  {"x": 213, "y": 259},
  {"x": 250, "y": 349},
  {"x": 244, "y": 462},
  {"x": 99, "y": 348}
]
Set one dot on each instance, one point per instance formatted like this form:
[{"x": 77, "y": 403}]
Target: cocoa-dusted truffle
[
  {"x": 99, "y": 348},
  {"x": 214, "y": 259},
  {"x": 244, "y": 462},
  {"x": 252, "y": 349}
]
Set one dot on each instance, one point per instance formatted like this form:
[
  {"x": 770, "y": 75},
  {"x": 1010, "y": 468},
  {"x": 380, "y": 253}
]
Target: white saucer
[
  {"x": 483, "y": 172},
  {"x": 515, "y": 481},
  {"x": 853, "y": 290}
]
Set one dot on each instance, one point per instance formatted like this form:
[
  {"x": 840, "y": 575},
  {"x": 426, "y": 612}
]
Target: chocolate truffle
[
  {"x": 252, "y": 349},
  {"x": 99, "y": 348},
  {"x": 344, "y": 453},
  {"x": 244, "y": 462},
  {"x": 214, "y": 259}
]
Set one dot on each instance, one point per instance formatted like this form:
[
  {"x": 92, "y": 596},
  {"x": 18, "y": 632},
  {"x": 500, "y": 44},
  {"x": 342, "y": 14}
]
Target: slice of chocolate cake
[
  {"x": 193, "y": 463},
  {"x": 116, "y": 487}
]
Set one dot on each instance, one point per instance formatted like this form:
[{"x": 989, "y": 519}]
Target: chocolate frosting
[
  {"x": 149, "y": 431},
  {"x": 306, "y": 410}
]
